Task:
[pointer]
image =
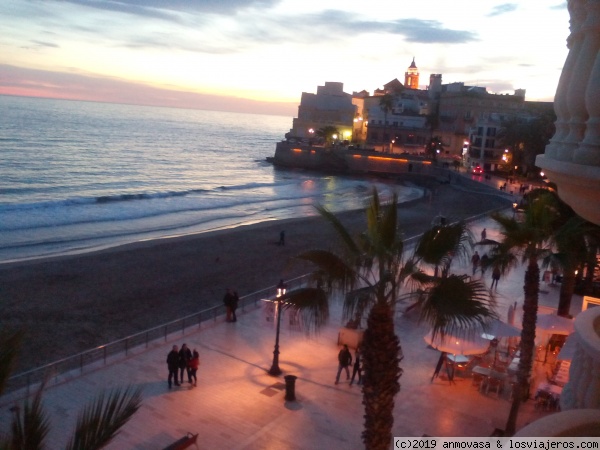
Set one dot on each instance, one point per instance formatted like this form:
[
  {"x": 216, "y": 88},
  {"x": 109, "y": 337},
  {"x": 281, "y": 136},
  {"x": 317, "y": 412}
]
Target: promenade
[{"x": 237, "y": 405}]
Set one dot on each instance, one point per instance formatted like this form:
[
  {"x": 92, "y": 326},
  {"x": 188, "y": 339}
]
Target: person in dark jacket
[
  {"x": 228, "y": 302},
  {"x": 173, "y": 365},
  {"x": 357, "y": 368},
  {"x": 185, "y": 355},
  {"x": 344, "y": 361},
  {"x": 235, "y": 300}
]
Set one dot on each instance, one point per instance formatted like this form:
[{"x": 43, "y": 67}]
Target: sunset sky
[{"x": 260, "y": 55}]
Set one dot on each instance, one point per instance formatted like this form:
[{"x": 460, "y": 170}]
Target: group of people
[
  {"x": 482, "y": 263},
  {"x": 231, "y": 301},
  {"x": 180, "y": 361},
  {"x": 344, "y": 363}
]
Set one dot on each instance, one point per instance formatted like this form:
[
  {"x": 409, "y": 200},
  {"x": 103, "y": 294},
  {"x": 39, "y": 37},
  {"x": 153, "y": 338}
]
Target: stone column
[
  {"x": 578, "y": 114},
  {"x": 588, "y": 152},
  {"x": 583, "y": 388},
  {"x": 574, "y": 42}
]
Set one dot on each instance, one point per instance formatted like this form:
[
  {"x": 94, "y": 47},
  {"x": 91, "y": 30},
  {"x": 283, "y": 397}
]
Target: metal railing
[
  {"x": 66, "y": 368},
  {"x": 75, "y": 365}
]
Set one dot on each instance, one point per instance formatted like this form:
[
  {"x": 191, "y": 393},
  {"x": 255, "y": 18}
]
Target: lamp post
[{"x": 281, "y": 289}]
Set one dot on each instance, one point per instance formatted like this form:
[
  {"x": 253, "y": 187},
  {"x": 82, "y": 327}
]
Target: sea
[{"x": 81, "y": 176}]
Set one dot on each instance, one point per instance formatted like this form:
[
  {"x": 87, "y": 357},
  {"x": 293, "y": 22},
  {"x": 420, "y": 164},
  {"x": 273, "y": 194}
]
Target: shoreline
[{"x": 70, "y": 303}]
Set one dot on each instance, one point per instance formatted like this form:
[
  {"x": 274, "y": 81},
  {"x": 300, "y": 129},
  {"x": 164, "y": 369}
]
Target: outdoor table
[
  {"x": 457, "y": 358},
  {"x": 551, "y": 389},
  {"x": 485, "y": 371},
  {"x": 498, "y": 375}
]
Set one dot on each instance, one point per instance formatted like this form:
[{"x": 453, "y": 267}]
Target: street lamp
[{"x": 281, "y": 289}]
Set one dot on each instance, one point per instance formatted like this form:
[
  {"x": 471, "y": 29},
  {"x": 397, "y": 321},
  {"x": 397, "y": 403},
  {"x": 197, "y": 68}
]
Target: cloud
[
  {"x": 77, "y": 86},
  {"x": 430, "y": 31},
  {"x": 45, "y": 44},
  {"x": 332, "y": 25},
  {"x": 163, "y": 9},
  {"x": 503, "y": 9},
  {"x": 559, "y": 7}
]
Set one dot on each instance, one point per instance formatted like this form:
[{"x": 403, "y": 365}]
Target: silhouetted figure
[
  {"x": 173, "y": 365},
  {"x": 357, "y": 368},
  {"x": 344, "y": 361},
  {"x": 495, "y": 277},
  {"x": 475, "y": 262},
  {"x": 281, "y": 238},
  {"x": 228, "y": 302}
]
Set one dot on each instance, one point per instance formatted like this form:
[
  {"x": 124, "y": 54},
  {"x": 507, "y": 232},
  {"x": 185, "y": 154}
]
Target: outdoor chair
[
  {"x": 543, "y": 401},
  {"x": 478, "y": 380},
  {"x": 494, "y": 384}
]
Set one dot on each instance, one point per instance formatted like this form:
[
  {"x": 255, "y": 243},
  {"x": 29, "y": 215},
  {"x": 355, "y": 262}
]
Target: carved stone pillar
[
  {"x": 574, "y": 42},
  {"x": 588, "y": 152},
  {"x": 583, "y": 388},
  {"x": 578, "y": 114}
]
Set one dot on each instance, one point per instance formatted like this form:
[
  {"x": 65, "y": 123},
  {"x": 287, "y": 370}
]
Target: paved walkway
[{"x": 237, "y": 405}]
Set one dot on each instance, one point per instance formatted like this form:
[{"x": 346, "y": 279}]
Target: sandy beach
[{"x": 73, "y": 303}]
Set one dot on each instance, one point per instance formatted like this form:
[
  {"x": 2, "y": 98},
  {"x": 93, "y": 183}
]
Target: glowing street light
[{"x": 279, "y": 301}]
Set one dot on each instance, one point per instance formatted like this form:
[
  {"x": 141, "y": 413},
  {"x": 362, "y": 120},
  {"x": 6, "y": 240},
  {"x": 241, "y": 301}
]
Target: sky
[{"x": 258, "y": 56}]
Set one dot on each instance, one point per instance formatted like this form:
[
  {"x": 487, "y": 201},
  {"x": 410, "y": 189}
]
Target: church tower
[{"x": 411, "y": 78}]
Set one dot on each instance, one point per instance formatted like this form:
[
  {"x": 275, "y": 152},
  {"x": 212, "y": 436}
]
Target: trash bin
[{"x": 290, "y": 388}]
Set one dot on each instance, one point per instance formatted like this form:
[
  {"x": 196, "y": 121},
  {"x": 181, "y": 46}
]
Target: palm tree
[
  {"x": 528, "y": 238},
  {"x": 450, "y": 303},
  {"x": 574, "y": 240},
  {"x": 96, "y": 427},
  {"x": 527, "y": 138},
  {"x": 371, "y": 270}
]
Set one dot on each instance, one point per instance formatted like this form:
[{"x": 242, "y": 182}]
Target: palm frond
[
  {"x": 31, "y": 425},
  {"x": 100, "y": 421},
  {"x": 388, "y": 225},
  {"x": 439, "y": 245},
  {"x": 456, "y": 302},
  {"x": 312, "y": 305},
  {"x": 357, "y": 302},
  {"x": 502, "y": 257},
  {"x": 9, "y": 349},
  {"x": 341, "y": 230},
  {"x": 331, "y": 266}
]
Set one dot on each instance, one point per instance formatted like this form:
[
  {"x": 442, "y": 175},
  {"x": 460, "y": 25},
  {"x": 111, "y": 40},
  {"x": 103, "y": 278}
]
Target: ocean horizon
[{"x": 81, "y": 176}]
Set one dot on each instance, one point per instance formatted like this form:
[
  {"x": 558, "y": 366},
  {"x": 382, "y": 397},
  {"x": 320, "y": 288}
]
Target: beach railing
[{"x": 73, "y": 366}]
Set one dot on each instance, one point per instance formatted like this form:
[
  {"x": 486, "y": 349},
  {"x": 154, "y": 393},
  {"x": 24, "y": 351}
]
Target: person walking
[
  {"x": 495, "y": 277},
  {"x": 193, "y": 365},
  {"x": 185, "y": 355},
  {"x": 344, "y": 361},
  {"x": 357, "y": 368},
  {"x": 235, "y": 300},
  {"x": 173, "y": 365},
  {"x": 228, "y": 302},
  {"x": 475, "y": 262}
]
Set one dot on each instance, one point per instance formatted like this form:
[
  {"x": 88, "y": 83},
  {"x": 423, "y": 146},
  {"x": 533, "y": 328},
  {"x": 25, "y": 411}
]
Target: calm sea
[{"x": 78, "y": 176}]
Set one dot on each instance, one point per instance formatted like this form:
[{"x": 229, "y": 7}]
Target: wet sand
[{"x": 69, "y": 304}]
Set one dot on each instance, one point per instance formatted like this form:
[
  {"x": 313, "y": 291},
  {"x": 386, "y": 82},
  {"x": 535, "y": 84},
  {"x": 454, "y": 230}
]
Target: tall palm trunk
[
  {"x": 567, "y": 288},
  {"x": 381, "y": 357},
  {"x": 530, "y": 307}
]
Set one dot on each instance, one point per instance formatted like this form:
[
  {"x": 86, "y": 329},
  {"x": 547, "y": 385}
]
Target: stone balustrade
[
  {"x": 583, "y": 388},
  {"x": 572, "y": 158}
]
